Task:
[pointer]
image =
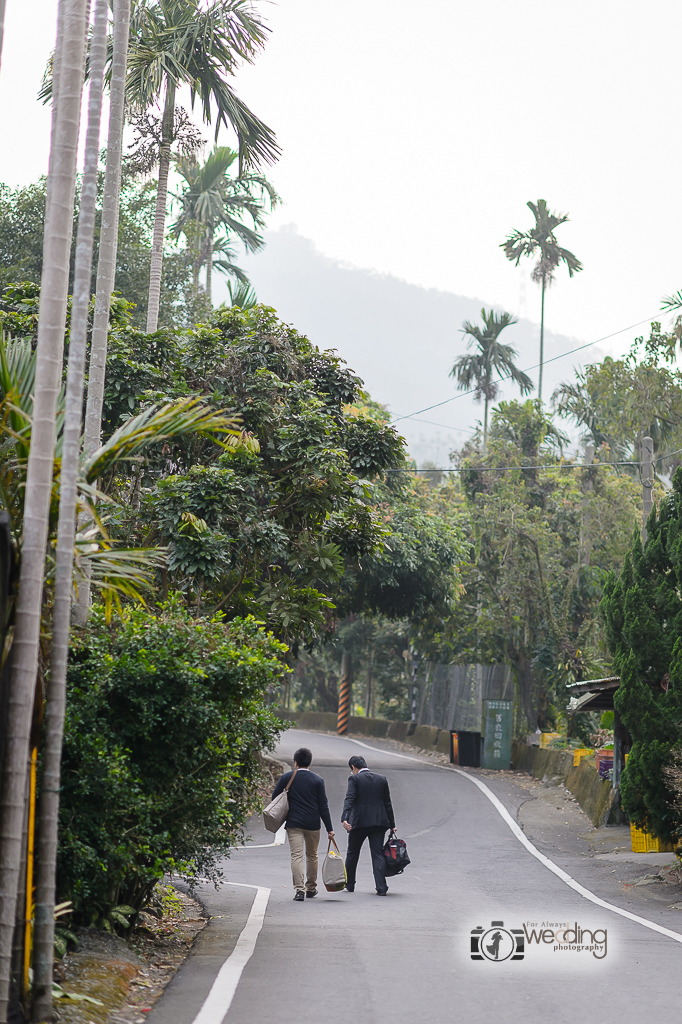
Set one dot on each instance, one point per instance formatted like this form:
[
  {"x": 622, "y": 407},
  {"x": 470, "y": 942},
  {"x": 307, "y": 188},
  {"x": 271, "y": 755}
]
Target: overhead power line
[
  {"x": 555, "y": 465},
  {"x": 562, "y": 355}
]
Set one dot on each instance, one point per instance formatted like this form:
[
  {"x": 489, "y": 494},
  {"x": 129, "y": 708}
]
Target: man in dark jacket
[
  {"x": 367, "y": 813},
  {"x": 307, "y": 804}
]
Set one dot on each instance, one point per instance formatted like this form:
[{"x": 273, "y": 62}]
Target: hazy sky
[{"x": 414, "y": 134}]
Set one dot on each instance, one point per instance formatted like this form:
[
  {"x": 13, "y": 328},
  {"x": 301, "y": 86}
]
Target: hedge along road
[{"x": 408, "y": 956}]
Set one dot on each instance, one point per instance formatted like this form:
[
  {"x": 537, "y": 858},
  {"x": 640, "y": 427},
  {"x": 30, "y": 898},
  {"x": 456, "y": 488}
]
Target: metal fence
[{"x": 451, "y": 695}]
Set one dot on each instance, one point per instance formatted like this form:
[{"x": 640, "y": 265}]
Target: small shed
[{"x": 597, "y": 695}]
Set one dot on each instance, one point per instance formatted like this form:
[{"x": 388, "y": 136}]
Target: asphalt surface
[{"x": 407, "y": 957}]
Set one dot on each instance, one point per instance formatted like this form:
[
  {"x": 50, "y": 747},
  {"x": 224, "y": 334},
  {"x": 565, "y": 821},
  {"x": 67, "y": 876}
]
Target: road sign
[{"x": 497, "y": 732}]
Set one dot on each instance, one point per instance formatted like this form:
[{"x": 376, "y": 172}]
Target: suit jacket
[
  {"x": 307, "y": 801},
  {"x": 368, "y": 801}
]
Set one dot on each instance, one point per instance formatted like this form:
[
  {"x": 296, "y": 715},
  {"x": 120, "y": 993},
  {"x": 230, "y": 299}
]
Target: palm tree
[
  {"x": 106, "y": 259},
  {"x": 214, "y": 200},
  {"x": 541, "y": 241},
  {"x": 116, "y": 571},
  {"x": 175, "y": 42},
  {"x": 492, "y": 357},
  {"x": 38, "y": 490},
  {"x": 45, "y": 900}
]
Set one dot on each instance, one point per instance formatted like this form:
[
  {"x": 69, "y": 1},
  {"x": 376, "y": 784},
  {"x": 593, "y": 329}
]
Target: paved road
[{"x": 406, "y": 957}]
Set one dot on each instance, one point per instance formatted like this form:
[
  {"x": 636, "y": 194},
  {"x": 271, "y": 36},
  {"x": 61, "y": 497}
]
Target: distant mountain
[{"x": 400, "y": 338}]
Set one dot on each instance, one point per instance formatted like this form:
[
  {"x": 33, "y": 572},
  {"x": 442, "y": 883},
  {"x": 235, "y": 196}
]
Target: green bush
[{"x": 165, "y": 721}]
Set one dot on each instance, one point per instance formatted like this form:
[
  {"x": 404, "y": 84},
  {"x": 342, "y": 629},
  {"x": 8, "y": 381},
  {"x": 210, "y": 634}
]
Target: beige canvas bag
[
  {"x": 333, "y": 869},
  {"x": 275, "y": 814}
]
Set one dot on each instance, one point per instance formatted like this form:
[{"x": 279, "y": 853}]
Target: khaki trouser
[{"x": 298, "y": 837}]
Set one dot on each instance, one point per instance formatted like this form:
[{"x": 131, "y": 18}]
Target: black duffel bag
[{"x": 395, "y": 855}]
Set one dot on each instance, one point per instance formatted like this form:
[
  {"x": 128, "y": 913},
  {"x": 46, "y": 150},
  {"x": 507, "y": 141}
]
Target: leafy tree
[
  {"x": 180, "y": 42},
  {"x": 642, "y": 610},
  {"x": 492, "y": 357},
  {"x": 269, "y": 526},
  {"x": 541, "y": 539},
  {"x": 541, "y": 241},
  {"x": 22, "y": 213},
  {"x": 416, "y": 573},
  {"x": 143, "y": 794},
  {"x": 395, "y": 598},
  {"x": 620, "y": 401}
]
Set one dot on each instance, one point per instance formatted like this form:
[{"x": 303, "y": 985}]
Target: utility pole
[
  {"x": 415, "y": 663},
  {"x": 647, "y": 482},
  {"x": 588, "y": 487}
]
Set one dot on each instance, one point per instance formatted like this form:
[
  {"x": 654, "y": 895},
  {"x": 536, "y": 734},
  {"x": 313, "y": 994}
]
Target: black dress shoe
[
  {"x": 309, "y": 895},
  {"x": 381, "y": 892},
  {"x": 299, "y": 897},
  {"x": 350, "y": 888}
]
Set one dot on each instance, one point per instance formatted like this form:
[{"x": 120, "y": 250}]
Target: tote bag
[
  {"x": 275, "y": 814},
  {"x": 333, "y": 869}
]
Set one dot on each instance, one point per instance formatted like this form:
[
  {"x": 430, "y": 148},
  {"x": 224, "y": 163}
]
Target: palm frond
[
  {"x": 155, "y": 424},
  {"x": 242, "y": 295},
  {"x": 671, "y": 303},
  {"x": 124, "y": 572},
  {"x": 184, "y": 42}
]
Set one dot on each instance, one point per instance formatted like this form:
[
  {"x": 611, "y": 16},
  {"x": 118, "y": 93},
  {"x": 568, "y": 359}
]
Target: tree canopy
[{"x": 541, "y": 537}]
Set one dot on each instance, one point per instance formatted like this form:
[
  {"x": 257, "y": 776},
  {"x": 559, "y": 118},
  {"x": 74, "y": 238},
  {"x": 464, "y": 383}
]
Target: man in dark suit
[
  {"x": 307, "y": 804},
  {"x": 367, "y": 813}
]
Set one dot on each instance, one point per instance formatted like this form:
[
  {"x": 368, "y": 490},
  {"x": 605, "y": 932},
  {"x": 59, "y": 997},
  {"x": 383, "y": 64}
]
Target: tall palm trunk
[
  {"x": 106, "y": 260},
  {"x": 43, "y": 942},
  {"x": 209, "y": 264},
  {"x": 50, "y": 347},
  {"x": 542, "y": 338},
  {"x": 485, "y": 425},
  {"x": 160, "y": 213},
  {"x": 2, "y": 25}
]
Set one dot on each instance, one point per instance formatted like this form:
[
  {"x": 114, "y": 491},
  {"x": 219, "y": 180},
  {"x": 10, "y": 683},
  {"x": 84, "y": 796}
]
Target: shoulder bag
[{"x": 275, "y": 814}]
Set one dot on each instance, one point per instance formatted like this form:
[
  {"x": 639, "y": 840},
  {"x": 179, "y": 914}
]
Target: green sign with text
[{"x": 497, "y": 733}]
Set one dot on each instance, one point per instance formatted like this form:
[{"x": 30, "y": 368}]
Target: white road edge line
[
  {"x": 279, "y": 840},
  {"x": 219, "y": 999},
  {"x": 525, "y": 841}
]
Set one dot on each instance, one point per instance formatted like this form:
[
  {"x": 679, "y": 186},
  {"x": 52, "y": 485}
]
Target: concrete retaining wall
[
  {"x": 426, "y": 737},
  {"x": 597, "y": 798}
]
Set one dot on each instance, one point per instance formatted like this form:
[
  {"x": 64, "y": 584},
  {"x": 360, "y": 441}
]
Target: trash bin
[{"x": 465, "y": 749}]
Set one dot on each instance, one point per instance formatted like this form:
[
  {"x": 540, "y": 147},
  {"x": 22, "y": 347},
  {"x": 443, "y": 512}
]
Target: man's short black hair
[
  {"x": 356, "y": 761},
  {"x": 303, "y": 757}
]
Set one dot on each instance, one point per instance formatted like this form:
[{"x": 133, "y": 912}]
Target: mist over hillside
[{"x": 400, "y": 338}]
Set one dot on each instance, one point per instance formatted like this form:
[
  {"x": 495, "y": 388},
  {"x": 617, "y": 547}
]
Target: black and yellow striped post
[{"x": 344, "y": 696}]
